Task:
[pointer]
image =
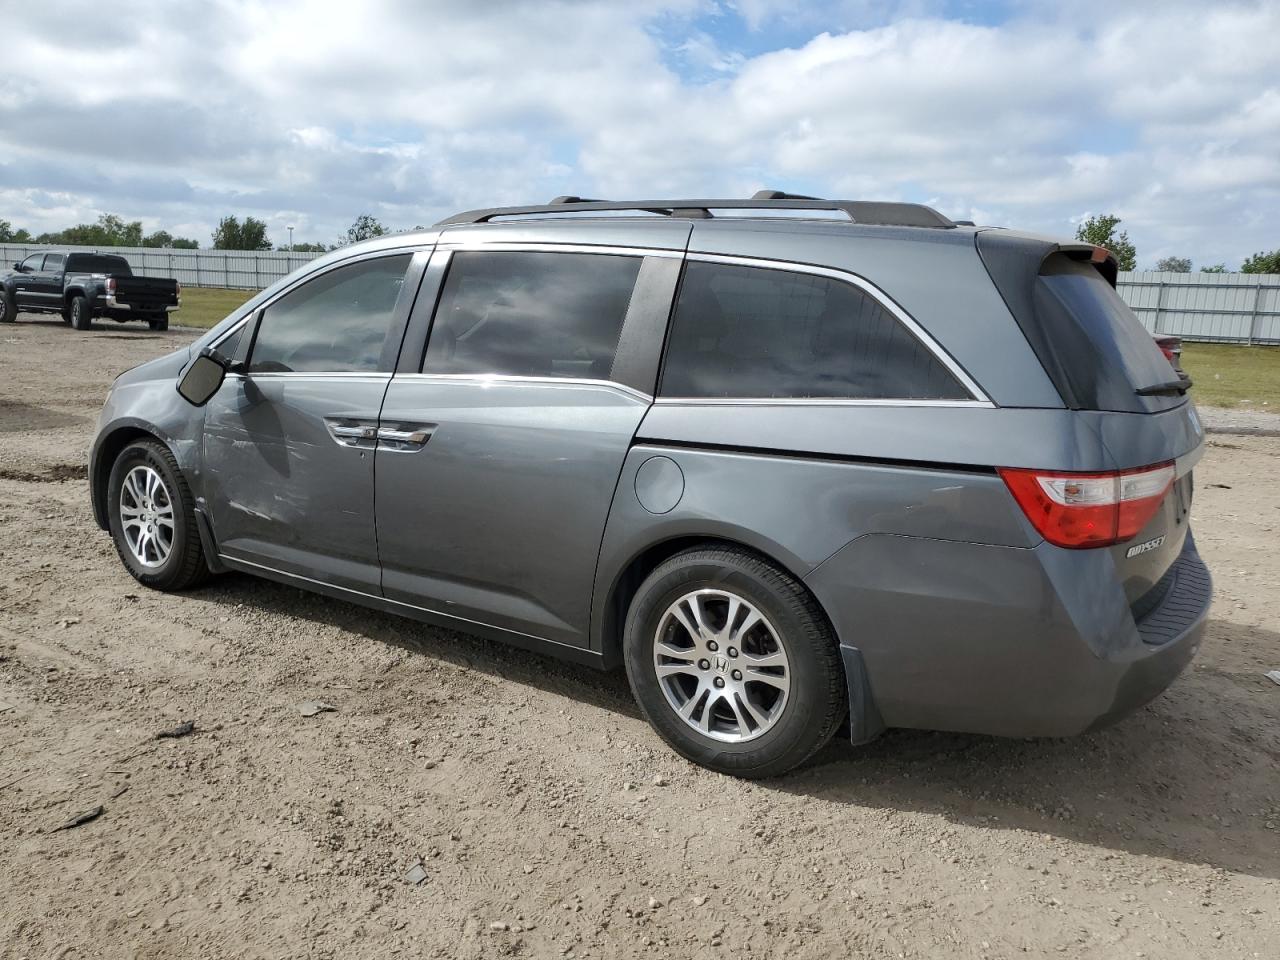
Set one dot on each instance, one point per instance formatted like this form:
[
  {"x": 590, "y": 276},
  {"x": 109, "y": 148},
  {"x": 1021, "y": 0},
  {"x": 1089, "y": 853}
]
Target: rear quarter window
[{"x": 752, "y": 332}]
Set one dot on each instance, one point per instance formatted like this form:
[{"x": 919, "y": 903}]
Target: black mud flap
[{"x": 865, "y": 722}]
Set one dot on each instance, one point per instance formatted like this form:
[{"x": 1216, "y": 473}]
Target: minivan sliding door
[{"x": 498, "y": 455}]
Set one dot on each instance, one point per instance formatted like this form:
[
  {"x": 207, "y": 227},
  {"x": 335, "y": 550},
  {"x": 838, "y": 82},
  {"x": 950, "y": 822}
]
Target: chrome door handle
[
  {"x": 412, "y": 438},
  {"x": 350, "y": 434}
]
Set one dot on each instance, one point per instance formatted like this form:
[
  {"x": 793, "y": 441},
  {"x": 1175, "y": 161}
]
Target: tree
[
  {"x": 1174, "y": 264},
  {"x": 109, "y": 231},
  {"x": 163, "y": 238},
  {"x": 365, "y": 227},
  {"x": 6, "y": 231},
  {"x": 1216, "y": 268},
  {"x": 305, "y": 247},
  {"x": 1262, "y": 263},
  {"x": 1101, "y": 232},
  {"x": 234, "y": 235}
]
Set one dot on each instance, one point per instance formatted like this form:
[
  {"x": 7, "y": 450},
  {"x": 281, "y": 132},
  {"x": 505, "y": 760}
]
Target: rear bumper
[
  {"x": 1003, "y": 640},
  {"x": 111, "y": 304}
]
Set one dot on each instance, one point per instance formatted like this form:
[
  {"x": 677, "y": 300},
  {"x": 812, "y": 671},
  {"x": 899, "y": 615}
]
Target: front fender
[{"x": 145, "y": 402}]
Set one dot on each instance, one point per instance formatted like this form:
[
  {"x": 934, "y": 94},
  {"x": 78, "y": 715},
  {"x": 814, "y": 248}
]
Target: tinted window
[
  {"x": 1103, "y": 351},
  {"x": 336, "y": 322},
  {"x": 53, "y": 261},
  {"x": 98, "y": 263},
  {"x": 531, "y": 314},
  {"x": 752, "y": 332},
  {"x": 33, "y": 262}
]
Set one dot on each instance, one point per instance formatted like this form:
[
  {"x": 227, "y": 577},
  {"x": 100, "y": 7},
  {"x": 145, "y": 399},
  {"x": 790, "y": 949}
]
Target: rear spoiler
[{"x": 1100, "y": 257}]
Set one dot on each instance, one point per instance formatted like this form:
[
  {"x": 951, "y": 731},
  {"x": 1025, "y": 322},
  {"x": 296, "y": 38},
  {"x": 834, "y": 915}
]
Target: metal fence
[
  {"x": 241, "y": 269},
  {"x": 1228, "y": 307}
]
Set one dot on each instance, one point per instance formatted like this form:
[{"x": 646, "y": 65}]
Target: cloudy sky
[{"x": 308, "y": 112}]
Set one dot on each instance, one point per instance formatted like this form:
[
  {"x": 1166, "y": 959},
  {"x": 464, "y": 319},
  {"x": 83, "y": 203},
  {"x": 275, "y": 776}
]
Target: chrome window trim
[
  {"x": 532, "y": 246},
  {"x": 819, "y": 402},
  {"x": 976, "y": 393},
  {"x": 485, "y": 379},
  {"x": 381, "y": 376}
]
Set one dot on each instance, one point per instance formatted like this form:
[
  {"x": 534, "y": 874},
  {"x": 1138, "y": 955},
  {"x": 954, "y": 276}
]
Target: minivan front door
[
  {"x": 501, "y": 449},
  {"x": 289, "y": 443}
]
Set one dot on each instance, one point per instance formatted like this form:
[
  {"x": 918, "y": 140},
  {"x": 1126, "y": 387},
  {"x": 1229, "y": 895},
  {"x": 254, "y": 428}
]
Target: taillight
[
  {"x": 1171, "y": 347},
  {"x": 111, "y": 286},
  {"x": 1078, "y": 510}
]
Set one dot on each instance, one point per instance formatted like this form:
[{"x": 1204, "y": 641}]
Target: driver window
[
  {"x": 32, "y": 263},
  {"x": 337, "y": 322}
]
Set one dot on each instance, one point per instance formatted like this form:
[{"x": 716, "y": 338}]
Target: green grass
[
  {"x": 1227, "y": 375},
  {"x": 205, "y": 306}
]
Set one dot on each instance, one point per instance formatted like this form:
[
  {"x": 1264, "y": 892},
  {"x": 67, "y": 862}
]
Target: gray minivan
[{"x": 799, "y": 465}]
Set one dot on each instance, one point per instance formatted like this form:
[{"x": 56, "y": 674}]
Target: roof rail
[{"x": 859, "y": 211}]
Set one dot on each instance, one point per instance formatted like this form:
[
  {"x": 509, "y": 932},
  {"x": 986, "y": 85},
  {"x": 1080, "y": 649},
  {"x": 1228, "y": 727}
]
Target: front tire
[
  {"x": 81, "y": 315},
  {"x": 8, "y": 307},
  {"x": 733, "y": 662},
  {"x": 153, "y": 519}
]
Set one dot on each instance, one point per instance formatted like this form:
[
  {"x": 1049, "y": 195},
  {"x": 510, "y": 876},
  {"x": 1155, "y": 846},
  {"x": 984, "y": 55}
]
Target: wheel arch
[
  {"x": 106, "y": 451},
  {"x": 624, "y": 586}
]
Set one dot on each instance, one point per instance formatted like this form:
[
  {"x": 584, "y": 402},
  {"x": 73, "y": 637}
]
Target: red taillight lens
[
  {"x": 1173, "y": 350},
  {"x": 111, "y": 285},
  {"x": 1079, "y": 510}
]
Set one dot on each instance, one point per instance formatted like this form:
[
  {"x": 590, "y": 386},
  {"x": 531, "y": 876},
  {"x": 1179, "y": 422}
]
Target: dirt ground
[{"x": 548, "y": 820}]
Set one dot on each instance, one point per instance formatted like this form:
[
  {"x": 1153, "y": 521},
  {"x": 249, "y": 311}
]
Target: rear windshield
[
  {"x": 1099, "y": 347},
  {"x": 98, "y": 263}
]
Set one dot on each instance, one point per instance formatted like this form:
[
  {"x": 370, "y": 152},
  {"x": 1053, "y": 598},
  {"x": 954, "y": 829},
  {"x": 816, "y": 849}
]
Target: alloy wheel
[
  {"x": 146, "y": 516},
  {"x": 721, "y": 665}
]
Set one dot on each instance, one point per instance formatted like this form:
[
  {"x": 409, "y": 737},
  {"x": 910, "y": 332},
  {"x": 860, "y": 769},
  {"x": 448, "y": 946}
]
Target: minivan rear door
[
  {"x": 502, "y": 435},
  {"x": 1108, "y": 368}
]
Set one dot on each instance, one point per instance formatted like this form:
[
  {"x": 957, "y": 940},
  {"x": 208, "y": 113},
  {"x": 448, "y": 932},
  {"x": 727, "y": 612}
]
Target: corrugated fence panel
[
  {"x": 1233, "y": 307},
  {"x": 242, "y": 269}
]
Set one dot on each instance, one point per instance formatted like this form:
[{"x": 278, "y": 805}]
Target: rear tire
[
  {"x": 158, "y": 323},
  {"x": 153, "y": 519},
  {"x": 8, "y": 307},
  {"x": 757, "y": 687},
  {"x": 81, "y": 315}
]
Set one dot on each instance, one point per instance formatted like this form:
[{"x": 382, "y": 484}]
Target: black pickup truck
[{"x": 81, "y": 286}]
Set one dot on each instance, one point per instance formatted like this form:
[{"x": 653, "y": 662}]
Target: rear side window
[
  {"x": 750, "y": 332},
  {"x": 530, "y": 314},
  {"x": 53, "y": 261},
  {"x": 98, "y": 263},
  {"x": 337, "y": 322},
  {"x": 1100, "y": 348}
]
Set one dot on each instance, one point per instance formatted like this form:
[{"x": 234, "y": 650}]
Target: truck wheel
[
  {"x": 158, "y": 323},
  {"x": 8, "y": 307},
  {"x": 733, "y": 663},
  {"x": 81, "y": 315}
]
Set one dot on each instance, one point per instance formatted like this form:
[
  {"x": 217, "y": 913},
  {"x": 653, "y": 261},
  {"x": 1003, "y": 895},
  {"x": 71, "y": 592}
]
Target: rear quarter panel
[{"x": 797, "y": 510}]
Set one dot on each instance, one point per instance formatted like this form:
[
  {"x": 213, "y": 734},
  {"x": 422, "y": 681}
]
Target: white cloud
[{"x": 311, "y": 111}]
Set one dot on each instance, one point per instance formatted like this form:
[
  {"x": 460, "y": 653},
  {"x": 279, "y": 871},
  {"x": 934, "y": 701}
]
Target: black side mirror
[
  {"x": 204, "y": 377},
  {"x": 17, "y": 265}
]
